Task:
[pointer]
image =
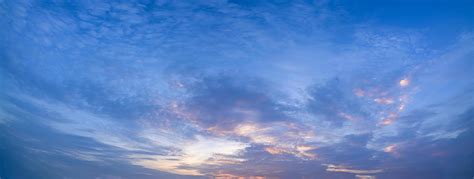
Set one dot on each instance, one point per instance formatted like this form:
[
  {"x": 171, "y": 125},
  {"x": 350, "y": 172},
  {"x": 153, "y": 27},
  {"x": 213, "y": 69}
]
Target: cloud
[
  {"x": 330, "y": 99},
  {"x": 230, "y": 88},
  {"x": 338, "y": 168},
  {"x": 202, "y": 151},
  {"x": 365, "y": 176}
]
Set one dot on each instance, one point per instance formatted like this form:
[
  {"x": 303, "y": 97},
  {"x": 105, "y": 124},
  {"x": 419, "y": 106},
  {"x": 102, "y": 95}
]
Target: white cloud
[{"x": 345, "y": 169}]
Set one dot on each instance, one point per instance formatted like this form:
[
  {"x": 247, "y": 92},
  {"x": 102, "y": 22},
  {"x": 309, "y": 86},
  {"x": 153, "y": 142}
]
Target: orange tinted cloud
[
  {"x": 404, "y": 82},
  {"x": 390, "y": 148}
]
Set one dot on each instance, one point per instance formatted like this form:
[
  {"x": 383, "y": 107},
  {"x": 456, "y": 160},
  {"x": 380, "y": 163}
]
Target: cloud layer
[{"x": 276, "y": 89}]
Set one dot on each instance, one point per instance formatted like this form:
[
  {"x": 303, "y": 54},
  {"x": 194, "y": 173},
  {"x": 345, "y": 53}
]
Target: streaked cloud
[{"x": 344, "y": 169}]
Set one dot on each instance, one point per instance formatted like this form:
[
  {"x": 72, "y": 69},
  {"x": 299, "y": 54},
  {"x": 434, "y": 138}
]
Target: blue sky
[{"x": 199, "y": 89}]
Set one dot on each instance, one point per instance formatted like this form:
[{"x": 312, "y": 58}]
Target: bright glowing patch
[
  {"x": 203, "y": 150},
  {"x": 390, "y": 148},
  {"x": 404, "y": 82},
  {"x": 274, "y": 150},
  {"x": 245, "y": 129},
  {"x": 387, "y": 121}
]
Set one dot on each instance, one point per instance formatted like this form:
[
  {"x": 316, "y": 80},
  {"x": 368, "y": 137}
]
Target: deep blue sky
[{"x": 198, "y": 89}]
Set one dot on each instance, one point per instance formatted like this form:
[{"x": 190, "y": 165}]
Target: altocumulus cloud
[{"x": 276, "y": 89}]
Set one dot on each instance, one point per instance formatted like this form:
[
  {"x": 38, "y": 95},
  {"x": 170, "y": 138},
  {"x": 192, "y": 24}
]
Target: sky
[{"x": 276, "y": 89}]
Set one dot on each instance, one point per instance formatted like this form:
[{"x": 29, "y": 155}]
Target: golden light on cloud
[
  {"x": 274, "y": 150},
  {"x": 256, "y": 133},
  {"x": 404, "y": 82},
  {"x": 390, "y": 148},
  {"x": 202, "y": 150},
  {"x": 390, "y": 118},
  {"x": 387, "y": 121},
  {"x": 301, "y": 151},
  {"x": 304, "y": 148},
  {"x": 277, "y": 138},
  {"x": 246, "y": 129}
]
